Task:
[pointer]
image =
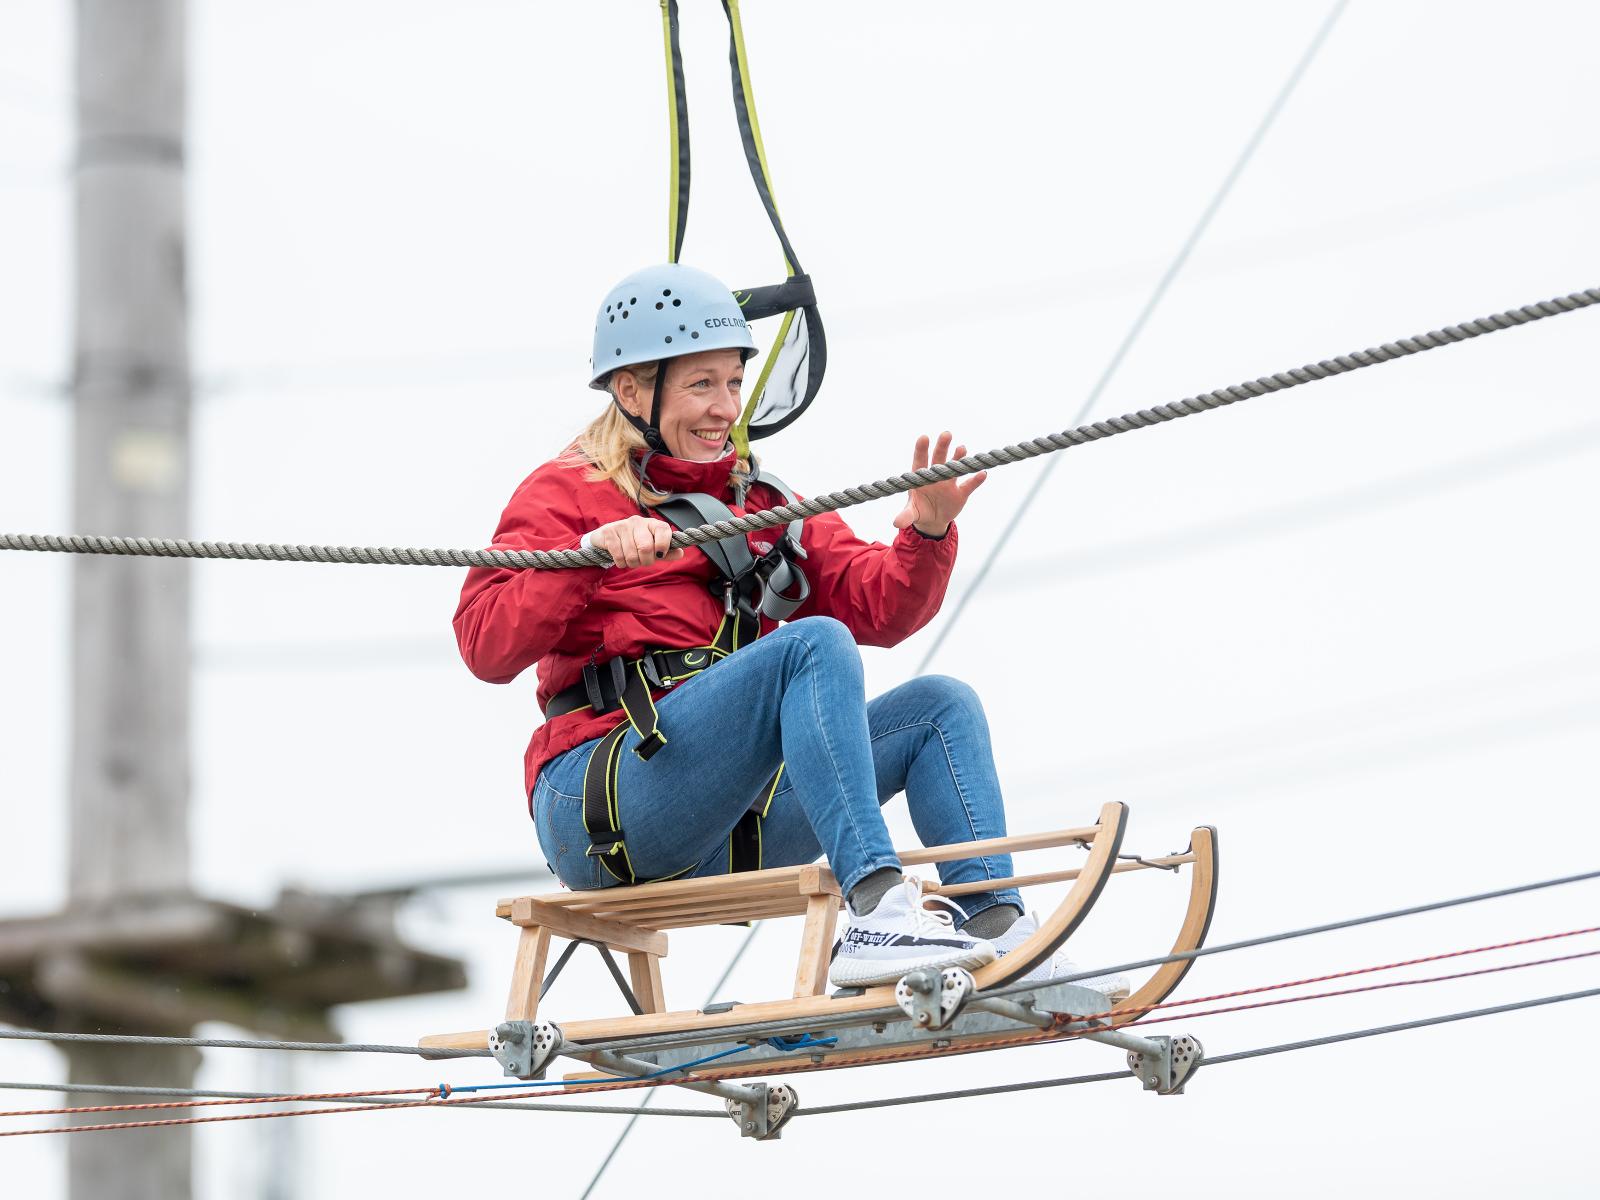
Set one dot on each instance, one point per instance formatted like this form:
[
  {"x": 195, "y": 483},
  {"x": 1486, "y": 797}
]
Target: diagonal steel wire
[
  {"x": 1163, "y": 285},
  {"x": 650, "y": 1096}
]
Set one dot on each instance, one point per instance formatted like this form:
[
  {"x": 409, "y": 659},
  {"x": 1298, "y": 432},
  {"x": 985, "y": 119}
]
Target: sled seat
[
  {"x": 632, "y": 920},
  {"x": 635, "y": 921}
]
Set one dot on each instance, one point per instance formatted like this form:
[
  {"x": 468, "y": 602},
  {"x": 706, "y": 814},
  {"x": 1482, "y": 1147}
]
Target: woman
[{"x": 773, "y": 755}]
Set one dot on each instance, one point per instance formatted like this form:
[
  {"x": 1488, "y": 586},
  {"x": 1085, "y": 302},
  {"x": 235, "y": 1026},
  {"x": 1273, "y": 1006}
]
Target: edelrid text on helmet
[{"x": 726, "y": 323}]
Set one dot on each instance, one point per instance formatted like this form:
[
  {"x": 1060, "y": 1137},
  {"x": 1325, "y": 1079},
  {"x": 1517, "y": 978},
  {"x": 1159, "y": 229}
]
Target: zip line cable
[
  {"x": 816, "y": 505},
  {"x": 440, "y": 1097},
  {"x": 195, "y": 1098},
  {"x": 769, "y": 1028},
  {"x": 1163, "y": 285},
  {"x": 798, "y": 1024},
  {"x": 1206, "y": 1063}
]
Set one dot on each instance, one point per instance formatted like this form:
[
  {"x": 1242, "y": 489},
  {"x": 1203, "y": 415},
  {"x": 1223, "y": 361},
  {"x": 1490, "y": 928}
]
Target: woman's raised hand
[
  {"x": 932, "y": 508},
  {"x": 636, "y": 541}
]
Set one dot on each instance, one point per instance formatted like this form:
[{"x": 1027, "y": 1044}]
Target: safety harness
[{"x": 770, "y": 585}]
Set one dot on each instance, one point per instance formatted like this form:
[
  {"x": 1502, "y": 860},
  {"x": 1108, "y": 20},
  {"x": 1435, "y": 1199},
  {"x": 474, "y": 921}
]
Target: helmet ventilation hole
[
  {"x": 666, "y": 291},
  {"x": 675, "y": 303},
  {"x": 695, "y": 334},
  {"x": 658, "y": 304},
  {"x": 669, "y": 337},
  {"x": 624, "y": 314}
]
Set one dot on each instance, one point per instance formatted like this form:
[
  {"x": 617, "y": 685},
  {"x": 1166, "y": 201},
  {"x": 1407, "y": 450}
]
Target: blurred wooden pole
[{"x": 130, "y": 654}]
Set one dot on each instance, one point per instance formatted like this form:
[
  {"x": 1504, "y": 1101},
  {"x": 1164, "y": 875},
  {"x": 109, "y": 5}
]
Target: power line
[{"x": 1139, "y": 322}]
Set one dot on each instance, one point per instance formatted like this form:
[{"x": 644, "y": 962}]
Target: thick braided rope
[{"x": 833, "y": 501}]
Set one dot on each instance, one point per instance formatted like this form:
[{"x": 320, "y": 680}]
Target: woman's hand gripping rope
[
  {"x": 931, "y": 508},
  {"x": 636, "y": 541}
]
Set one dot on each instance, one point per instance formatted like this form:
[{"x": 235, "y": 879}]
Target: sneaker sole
[{"x": 872, "y": 972}]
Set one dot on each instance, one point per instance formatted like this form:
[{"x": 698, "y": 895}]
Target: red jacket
[{"x": 508, "y": 620}]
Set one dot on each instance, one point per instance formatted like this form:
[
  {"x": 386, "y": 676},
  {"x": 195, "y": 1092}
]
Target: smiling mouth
[{"x": 717, "y": 436}]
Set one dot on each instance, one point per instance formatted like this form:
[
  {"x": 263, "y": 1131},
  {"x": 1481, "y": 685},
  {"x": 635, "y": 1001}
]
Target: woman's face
[{"x": 700, "y": 401}]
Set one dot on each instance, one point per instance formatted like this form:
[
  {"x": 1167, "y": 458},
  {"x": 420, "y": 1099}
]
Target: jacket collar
[{"x": 715, "y": 478}]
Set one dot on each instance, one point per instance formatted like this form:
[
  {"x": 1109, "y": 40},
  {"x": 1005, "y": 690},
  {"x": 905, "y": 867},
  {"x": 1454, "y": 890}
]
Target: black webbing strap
[
  {"x": 600, "y": 819},
  {"x": 731, "y": 556},
  {"x": 795, "y": 295},
  {"x": 744, "y": 843},
  {"x": 678, "y": 109}
]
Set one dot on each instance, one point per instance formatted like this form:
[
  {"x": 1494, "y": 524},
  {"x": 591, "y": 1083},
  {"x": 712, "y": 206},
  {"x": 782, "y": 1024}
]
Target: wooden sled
[{"x": 871, "y": 1024}]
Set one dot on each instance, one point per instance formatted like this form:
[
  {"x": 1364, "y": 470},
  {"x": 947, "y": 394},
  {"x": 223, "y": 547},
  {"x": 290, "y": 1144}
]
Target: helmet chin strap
[{"x": 651, "y": 429}]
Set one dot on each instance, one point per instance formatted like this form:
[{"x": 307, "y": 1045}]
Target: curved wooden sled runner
[{"x": 870, "y": 1025}]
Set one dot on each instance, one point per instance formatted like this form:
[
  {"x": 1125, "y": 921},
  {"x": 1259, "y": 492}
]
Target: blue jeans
[{"x": 794, "y": 697}]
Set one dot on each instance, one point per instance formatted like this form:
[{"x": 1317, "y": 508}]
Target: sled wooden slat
[
  {"x": 1014, "y": 844},
  {"x": 934, "y": 887},
  {"x": 581, "y": 926}
]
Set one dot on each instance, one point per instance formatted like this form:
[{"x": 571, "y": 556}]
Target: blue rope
[
  {"x": 787, "y": 1045},
  {"x": 804, "y": 1041}
]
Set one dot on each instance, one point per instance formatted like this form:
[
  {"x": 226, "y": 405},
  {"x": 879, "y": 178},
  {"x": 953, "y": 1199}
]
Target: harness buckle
[
  {"x": 651, "y": 666},
  {"x": 609, "y": 844},
  {"x": 651, "y": 742},
  {"x": 591, "y": 688}
]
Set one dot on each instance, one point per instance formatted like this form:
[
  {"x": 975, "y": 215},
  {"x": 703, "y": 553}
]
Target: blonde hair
[{"x": 609, "y": 444}]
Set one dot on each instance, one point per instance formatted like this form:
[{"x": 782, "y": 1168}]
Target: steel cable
[
  {"x": 816, "y": 505},
  {"x": 800, "y": 1025},
  {"x": 1207, "y": 1062}
]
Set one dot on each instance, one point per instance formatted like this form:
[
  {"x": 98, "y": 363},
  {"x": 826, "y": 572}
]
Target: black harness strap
[
  {"x": 772, "y": 585},
  {"x": 800, "y": 342}
]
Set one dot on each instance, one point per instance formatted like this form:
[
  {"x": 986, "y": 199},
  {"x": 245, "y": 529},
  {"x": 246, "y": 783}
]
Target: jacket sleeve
[
  {"x": 883, "y": 593},
  {"x": 508, "y": 619}
]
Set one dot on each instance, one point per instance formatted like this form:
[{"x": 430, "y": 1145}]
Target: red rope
[
  {"x": 206, "y": 1103},
  {"x": 434, "y": 1099},
  {"x": 1409, "y": 962}
]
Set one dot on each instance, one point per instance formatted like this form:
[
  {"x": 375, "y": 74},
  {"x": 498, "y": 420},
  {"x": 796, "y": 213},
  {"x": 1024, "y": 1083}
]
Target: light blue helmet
[
  {"x": 665, "y": 312},
  {"x": 660, "y": 313}
]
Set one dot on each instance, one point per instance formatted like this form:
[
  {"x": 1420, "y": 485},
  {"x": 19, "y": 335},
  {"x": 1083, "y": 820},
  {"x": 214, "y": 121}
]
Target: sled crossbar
[{"x": 634, "y": 921}]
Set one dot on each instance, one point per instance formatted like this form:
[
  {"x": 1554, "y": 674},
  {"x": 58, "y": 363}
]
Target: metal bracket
[
  {"x": 1166, "y": 1073},
  {"x": 764, "y": 1116},
  {"x": 932, "y": 998},
  {"x": 524, "y": 1047}
]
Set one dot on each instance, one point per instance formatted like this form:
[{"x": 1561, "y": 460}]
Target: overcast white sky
[{"x": 1352, "y": 626}]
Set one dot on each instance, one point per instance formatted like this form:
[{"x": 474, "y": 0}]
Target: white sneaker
[
  {"x": 901, "y": 935},
  {"x": 1112, "y": 987}
]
